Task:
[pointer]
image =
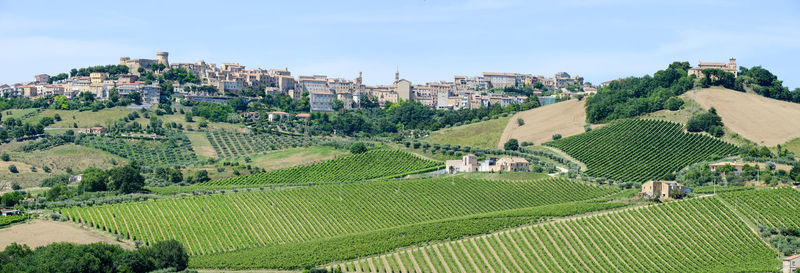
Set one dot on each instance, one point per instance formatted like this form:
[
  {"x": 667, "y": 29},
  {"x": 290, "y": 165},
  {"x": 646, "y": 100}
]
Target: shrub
[
  {"x": 511, "y": 144},
  {"x": 556, "y": 136},
  {"x": 520, "y": 121},
  {"x": 5, "y": 157},
  {"x": 673, "y": 104},
  {"x": 12, "y": 169},
  {"x": 358, "y": 148}
]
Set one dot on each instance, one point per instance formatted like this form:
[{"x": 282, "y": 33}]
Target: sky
[{"x": 426, "y": 40}]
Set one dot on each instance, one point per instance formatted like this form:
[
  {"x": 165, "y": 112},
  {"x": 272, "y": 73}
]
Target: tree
[
  {"x": 237, "y": 104},
  {"x": 673, "y": 104},
  {"x": 94, "y": 179},
  {"x": 13, "y": 169},
  {"x": 556, "y": 136},
  {"x": 125, "y": 179},
  {"x": 337, "y": 105},
  {"x": 358, "y": 148},
  {"x": 511, "y": 145},
  {"x": 5, "y": 157},
  {"x": 201, "y": 176},
  {"x": 167, "y": 254},
  {"x": 520, "y": 121}
]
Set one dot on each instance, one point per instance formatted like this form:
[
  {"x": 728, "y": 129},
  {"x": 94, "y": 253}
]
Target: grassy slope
[
  {"x": 484, "y": 134},
  {"x": 58, "y": 159}
]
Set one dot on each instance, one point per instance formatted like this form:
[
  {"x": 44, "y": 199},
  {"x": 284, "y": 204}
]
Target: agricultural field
[
  {"x": 640, "y": 150},
  {"x": 284, "y": 216},
  {"x": 174, "y": 150},
  {"x": 698, "y": 235},
  {"x": 82, "y": 118},
  {"x": 768, "y": 207},
  {"x": 236, "y": 144},
  {"x": 484, "y": 134},
  {"x": 369, "y": 165},
  {"x": 59, "y": 159},
  {"x": 566, "y": 118}
]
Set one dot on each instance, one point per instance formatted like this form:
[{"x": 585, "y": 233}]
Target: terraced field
[
  {"x": 357, "y": 167},
  {"x": 640, "y": 150},
  {"x": 225, "y": 222},
  {"x": 768, "y": 207},
  {"x": 698, "y": 235}
]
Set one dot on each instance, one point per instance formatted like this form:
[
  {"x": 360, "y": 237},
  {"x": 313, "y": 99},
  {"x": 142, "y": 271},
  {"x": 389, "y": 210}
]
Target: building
[
  {"x": 510, "y": 164},
  {"x": 404, "y": 90},
  {"x": 791, "y": 264},
  {"x": 92, "y": 131},
  {"x": 661, "y": 189},
  {"x": 42, "y": 79},
  {"x": 737, "y": 167},
  {"x": 729, "y": 67},
  {"x": 98, "y": 77},
  {"x": 9, "y": 212},
  {"x": 500, "y": 80},
  {"x": 321, "y": 101},
  {"x": 275, "y": 116},
  {"x": 468, "y": 163},
  {"x": 134, "y": 64}
]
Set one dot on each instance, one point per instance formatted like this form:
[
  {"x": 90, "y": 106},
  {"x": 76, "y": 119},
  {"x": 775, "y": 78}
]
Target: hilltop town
[{"x": 212, "y": 83}]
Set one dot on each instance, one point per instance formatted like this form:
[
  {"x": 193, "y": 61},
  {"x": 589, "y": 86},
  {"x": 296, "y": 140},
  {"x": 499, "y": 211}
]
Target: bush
[
  {"x": 358, "y": 148},
  {"x": 673, "y": 104},
  {"x": 520, "y": 121},
  {"x": 5, "y": 157},
  {"x": 511, "y": 145},
  {"x": 556, "y": 136},
  {"x": 13, "y": 169}
]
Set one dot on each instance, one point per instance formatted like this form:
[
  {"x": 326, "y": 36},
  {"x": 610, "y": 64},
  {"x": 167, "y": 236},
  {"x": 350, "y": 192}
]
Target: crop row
[
  {"x": 640, "y": 150},
  {"x": 356, "y": 167},
  {"x": 769, "y": 207},
  {"x": 233, "y": 144},
  {"x": 175, "y": 150},
  {"x": 224, "y": 222},
  {"x": 699, "y": 235}
]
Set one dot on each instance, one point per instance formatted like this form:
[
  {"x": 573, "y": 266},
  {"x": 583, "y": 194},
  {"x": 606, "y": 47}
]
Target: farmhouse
[
  {"x": 729, "y": 67},
  {"x": 511, "y": 164},
  {"x": 737, "y": 167},
  {"x": 93, "y": 131},
  {"x": 273, "y": 116},
  {"x": 9, "y": 212},
  {"x": 661, "y": 189},
  {"x": 790, "y": 264},
  {"x": 468, "y": 163}
]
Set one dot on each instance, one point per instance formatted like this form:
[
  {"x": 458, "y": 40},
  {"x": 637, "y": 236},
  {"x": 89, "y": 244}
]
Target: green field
[
  {"x": 640, "y": 150},
  {"x": 58, "y": 159},
  {"x": 484, "y": 134},
  {"x": 365, "y": 166},
  {"x": 698, "y": 235},
  {"x": 767, "y": 207},
  {"x": 177, "y": 150},
  {"x": 236, "y": 144},
  {"x": 224, "y": 222}
]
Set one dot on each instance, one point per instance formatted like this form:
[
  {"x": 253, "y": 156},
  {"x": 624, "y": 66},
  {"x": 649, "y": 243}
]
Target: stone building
[
  {"x": 661, "y": 189},
  {"x": 729, "y": 67}
]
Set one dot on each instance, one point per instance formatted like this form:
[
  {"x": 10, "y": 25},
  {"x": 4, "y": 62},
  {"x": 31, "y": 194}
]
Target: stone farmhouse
[
  {"x": 661, "y": 189},
  {"x": 470, "y": 163},
  {"x": 729, "y": 67}
]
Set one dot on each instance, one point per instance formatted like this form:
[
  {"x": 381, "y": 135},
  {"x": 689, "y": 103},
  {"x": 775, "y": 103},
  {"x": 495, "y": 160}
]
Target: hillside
[
  {"x": 566, "y": 118},
  {"x": 640, "y": 150},
  {"x": 698, "y": 235},
  {"x": 484, "y": 134},
  {"x": 760, "y": 119}
]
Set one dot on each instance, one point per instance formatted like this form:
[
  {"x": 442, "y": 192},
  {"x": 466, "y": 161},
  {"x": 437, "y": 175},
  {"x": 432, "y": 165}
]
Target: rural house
[
  {"x": 661, "y": 189},
  {"x": 9, "y": 212},
  {"x": 93, "y": 131},
  {"x": 511, "y": 164},
  {"x": 737, "y": 167},
  {"x": 468, "y": 163},
  {"x": 790, "y": 264}
]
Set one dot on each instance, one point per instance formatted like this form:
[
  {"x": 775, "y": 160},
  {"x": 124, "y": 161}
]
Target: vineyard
[
  {"x": 640, "y": 150},
  {"x": 768, "y": 207},
  {"x": 698, "y": 235},
  {"x": 234, "y": 144},
  {"x": 224, "y": 222},
  {"x": 357, "y": 167},
  {"x": 174, "y": 150}
]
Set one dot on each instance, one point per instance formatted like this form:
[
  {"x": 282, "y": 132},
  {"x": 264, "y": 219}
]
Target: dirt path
[
  {"x": 42, "y": 232},
  {"x": 566, "y": 118},
  {"x": 760, "y": 119}
]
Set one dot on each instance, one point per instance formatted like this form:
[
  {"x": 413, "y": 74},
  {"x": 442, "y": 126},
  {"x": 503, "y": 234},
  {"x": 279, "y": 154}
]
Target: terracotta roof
[{"x": 792, "y": 257}]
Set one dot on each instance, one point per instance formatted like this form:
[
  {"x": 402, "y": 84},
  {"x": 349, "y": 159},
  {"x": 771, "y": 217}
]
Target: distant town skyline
[{"x": 426, "y": 40}]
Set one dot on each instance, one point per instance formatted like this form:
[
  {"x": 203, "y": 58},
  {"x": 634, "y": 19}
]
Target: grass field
[
  {"x": 292, "y": 157},
  {"x": 760, "y": 119},
  {"x": 58, "y": 159},
  {"x": 484, "y": 134},
  {"x": 201, "y": 146},
  {"x": 793, "y": 146},
  {"x": 566, "y": 118},
  {"x": 83, "y": 119},
  {"x": 698, "y": 235}
]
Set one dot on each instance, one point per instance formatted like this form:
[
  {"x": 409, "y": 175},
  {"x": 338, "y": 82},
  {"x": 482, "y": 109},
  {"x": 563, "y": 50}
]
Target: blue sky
[{"x": 428, "y": 40}]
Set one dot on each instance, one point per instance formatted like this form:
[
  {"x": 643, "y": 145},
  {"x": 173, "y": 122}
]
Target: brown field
[
  {"x": 762, "y": 120},
  {"x": 40, "y": 233},
  {"x": 566, "y": 118}
]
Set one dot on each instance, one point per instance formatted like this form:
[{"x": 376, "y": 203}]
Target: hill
[
  {"x": 484, "y": 134},
  {"x": 760, "y": 119},
  {"x": 284, "y": 217},
  {"x": 566, "y": 118},
  {"x": 697, "y": 235},
  {"x": 640, "y": 150},
  {"x": 355, "y": 167}
]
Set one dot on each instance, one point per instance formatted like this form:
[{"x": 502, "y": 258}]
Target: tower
[
  {"x": 163, "y": 58},
  {"x": 397, "y": 75}
]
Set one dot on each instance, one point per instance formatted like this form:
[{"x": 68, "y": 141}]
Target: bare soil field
[
  {"x": 566, "y": 118},
  {"x": 41, "y": 233},
  {"x": 762, "y": 120}
]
